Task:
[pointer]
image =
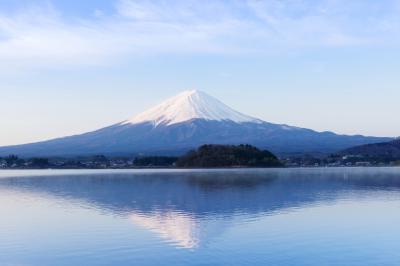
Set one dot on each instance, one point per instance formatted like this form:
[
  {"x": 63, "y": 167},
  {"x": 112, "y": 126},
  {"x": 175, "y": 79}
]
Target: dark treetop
[{"x": 228, "y": 156}]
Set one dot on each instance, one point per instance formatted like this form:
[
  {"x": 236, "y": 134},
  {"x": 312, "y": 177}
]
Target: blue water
[{"x": 341, "y": 216}]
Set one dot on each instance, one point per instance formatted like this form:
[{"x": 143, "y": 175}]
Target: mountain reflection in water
[{"x": 190, "y": 208}]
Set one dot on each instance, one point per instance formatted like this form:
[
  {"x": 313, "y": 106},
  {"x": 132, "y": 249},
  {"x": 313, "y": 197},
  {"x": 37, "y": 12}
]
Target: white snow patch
[
  {"x": 284, "y": 127},
  {"x": 190, "y": 105}
]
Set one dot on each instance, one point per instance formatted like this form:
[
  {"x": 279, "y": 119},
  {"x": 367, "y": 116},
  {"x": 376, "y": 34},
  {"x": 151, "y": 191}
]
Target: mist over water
[{"x": 341, "y": 216}]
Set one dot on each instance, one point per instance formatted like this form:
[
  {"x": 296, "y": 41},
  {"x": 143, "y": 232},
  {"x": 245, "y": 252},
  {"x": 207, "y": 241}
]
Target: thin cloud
[{"x": 42, "y": 36}]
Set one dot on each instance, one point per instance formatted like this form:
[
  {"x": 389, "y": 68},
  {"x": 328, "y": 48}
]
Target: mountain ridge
[
  {"x": 388, "y": 150},
  {"x": 185, "y": 122}
]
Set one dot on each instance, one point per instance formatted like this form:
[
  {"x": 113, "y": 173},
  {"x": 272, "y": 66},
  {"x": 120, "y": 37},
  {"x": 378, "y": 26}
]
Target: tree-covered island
[{"x": 210, "y": 156}]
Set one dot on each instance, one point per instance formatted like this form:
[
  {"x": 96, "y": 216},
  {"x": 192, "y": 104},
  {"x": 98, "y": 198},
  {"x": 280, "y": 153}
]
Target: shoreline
[{"x": 206, "y": 168}]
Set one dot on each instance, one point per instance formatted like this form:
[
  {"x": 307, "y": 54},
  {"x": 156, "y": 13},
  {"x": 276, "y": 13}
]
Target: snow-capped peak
[{"x": 190, "y": 105}]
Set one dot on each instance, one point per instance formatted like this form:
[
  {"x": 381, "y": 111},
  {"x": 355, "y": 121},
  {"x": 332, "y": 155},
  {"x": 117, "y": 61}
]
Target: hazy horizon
[{"x": 69, "y": 68}]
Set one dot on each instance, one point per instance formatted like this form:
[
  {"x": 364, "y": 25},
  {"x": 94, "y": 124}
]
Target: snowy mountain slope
[
  {"x": 190, "y": 105},
  {"x": 185, "y": 122}
]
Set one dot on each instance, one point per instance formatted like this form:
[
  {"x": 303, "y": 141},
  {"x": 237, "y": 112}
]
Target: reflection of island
[{"x": 190, "y": 208}]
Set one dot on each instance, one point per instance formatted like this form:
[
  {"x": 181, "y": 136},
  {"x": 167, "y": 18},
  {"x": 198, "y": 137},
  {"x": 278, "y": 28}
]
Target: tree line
[{"x": 204, "y": 156}]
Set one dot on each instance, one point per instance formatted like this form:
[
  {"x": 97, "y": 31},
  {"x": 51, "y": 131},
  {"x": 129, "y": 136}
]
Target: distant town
[
  {"x": 104, "y": 162},
  {"x": 337, "y": 161}
]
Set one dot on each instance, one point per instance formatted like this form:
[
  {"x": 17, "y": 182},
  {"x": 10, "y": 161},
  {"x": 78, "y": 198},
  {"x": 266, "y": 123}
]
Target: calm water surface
[{"x": 211, "y": 217}]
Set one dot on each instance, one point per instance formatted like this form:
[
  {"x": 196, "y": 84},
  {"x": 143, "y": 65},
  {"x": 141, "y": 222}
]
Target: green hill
[{"x": 228, "y": 156}]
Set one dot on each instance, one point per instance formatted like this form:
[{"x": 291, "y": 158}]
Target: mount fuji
[{"x": 187, "y": 121}]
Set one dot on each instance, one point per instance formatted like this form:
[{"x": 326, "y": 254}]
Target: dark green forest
[{"x": 228, "y": 156}]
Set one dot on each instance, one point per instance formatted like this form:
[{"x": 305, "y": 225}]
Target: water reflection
[
  {"x": 183, "y": 230},
  {"x": 192, "y": 208}
]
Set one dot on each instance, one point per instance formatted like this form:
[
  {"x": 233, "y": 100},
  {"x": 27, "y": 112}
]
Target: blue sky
[{"x": 68, "y": 67}]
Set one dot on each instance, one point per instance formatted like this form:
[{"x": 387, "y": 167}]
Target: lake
[{"x": 330, "y": 216}]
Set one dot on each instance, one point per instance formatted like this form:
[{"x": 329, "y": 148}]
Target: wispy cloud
[
  {"x": 327, "y": 22},
  {"x": 42, "y": 36}
]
